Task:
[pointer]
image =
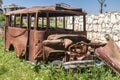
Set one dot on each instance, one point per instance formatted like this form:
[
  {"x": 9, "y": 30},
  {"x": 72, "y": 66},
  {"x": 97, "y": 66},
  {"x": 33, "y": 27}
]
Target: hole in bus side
[
  {"x": 11, "y": 48},
  {"x": 12, "y": 20},
  {"x": 60, "y": 22},
  {"x": 42, "y": 23},
  {"x": 17, "y": 21},
  {"x": 52, "y": 23},
  {"x": 78, "y": 26},
  {"x": 32, "y": 20},
  {"x": 24, "y": 21}
]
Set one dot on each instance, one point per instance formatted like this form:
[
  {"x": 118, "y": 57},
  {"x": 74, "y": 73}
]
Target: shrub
[{"x": 2, "y": 21}]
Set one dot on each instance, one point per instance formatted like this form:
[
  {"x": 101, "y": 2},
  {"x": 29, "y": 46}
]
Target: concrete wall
[{"x": 99, "y": 25}]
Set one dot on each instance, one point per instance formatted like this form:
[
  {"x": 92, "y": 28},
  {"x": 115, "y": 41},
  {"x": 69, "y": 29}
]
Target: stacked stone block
[{"x": 99, "y": 25}]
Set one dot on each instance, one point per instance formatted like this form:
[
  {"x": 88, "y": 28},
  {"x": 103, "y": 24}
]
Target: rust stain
[
  {"x": 110, "y": 53},
  {"x": 41, "y": 42}
]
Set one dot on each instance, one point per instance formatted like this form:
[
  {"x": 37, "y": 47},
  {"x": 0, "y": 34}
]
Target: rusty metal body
[
  {"x": 37, "y": 42},
  {"x": 110, "y": 53}
]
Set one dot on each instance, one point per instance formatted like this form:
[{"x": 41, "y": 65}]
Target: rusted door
[
  {"x": 16, "y": 38},
  {"x": 35, "y": 44}
]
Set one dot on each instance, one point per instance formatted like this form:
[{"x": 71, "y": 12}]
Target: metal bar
[
  {"x": 64, "y": 22},
  {"x": 78, "y": 62},
  {"x": 10, "y": 20},
  {"x": 42, "y": 21},
  {"x": 48, "y": 21},
  {"x": 21, "y": 20},
  {"x": 55, "y": 22},
  {"x": 28, "y": 41},
  {"x": 84, "y": 22},
  {"x": 14, "y": 20},
  {"x": 36, "y": 21},
  {"x": 73, "y": 21}
]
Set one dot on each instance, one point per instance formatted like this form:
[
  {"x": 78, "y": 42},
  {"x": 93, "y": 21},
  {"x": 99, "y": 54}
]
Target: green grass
[{"x": 13, "y": 68}]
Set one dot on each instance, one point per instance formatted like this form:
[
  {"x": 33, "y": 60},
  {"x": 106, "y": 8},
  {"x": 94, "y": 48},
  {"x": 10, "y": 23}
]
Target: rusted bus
[
  {"x": 27, "y": 29},
  {"x": 36, "y": 34}
]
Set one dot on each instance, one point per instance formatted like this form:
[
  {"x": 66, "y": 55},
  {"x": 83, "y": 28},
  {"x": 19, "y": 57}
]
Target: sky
[{"x": 90, "y": 6}]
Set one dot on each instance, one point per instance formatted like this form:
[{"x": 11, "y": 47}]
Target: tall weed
[{"x": 12, "y": 68}]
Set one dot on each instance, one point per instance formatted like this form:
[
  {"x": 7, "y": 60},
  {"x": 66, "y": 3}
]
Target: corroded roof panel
[{"x": 48, "y": 8}]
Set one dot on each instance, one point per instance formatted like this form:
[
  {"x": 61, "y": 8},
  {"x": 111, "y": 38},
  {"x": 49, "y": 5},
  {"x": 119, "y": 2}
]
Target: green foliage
[
  {"x": 17, "y": 19},
  {"x": 13, "y": 68},
  {"x": 2, "y": 20},
  {"x": 2, "y": 17}
]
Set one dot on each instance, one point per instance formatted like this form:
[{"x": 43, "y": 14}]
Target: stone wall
[{"x": 99, "y": 25}]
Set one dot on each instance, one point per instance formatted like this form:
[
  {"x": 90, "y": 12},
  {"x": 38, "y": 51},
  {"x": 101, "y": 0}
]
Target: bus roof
[{"x": 56, "y": 10}]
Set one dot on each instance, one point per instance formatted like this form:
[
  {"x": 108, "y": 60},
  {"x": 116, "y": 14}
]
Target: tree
[{"x": 1, "y": 2}]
